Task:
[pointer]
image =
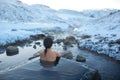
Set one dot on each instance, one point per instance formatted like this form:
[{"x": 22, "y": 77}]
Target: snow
[
  {"x": 10, "y": 32},
  {"x": 18, "y": 21},
  {"x": 7, "y": 1},
  {"x": 102, "y": 31}
]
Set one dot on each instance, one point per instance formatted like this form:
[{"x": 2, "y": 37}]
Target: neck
[{"x": 48, "y": 48}]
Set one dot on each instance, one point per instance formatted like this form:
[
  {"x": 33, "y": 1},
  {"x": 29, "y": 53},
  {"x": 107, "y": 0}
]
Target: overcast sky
[{"x": 77, "y": 4}]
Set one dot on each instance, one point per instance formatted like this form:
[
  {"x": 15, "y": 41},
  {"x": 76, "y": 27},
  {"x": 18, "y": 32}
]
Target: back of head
[{"x": 48, "y": 42}]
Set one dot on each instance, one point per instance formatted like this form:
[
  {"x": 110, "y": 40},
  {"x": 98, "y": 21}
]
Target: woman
[{"x": 48, "y": 57}]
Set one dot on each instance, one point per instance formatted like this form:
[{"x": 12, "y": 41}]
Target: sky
[{"x": 77, "y": 4}]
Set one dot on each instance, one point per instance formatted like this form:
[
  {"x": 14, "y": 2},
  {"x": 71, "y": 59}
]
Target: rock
[
  {"x": 11, "y": 50},
  {"x": 58, "y": 41},
  {"x": 118, "y": 41},
  {"x": 50, "y": 36},
  {"x": 36, "y": 37},
  {"x": 13, "y": 29},
  {"x": 79, "y": 58},
  {"x": 84, "y": 36},
  {"x": 69, "y": 40},
  {"x": 67, "y": 55},
  {"x": 64, "y": 47},
  {"x": 91, "y": 75},
  {"x": 34, "y": 46},
  {"x": 41, "y": 36},
  {"x": 37, "y": 43},
  {"x": 0, "y": 61}
]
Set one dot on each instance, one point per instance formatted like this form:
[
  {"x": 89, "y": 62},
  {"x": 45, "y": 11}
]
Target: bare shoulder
[
  {"x": 57, "y": 53},
  {"x": 41, "y": 52}
]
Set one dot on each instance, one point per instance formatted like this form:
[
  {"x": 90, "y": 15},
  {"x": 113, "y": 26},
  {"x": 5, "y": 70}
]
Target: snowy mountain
[{"x": 13, "y": 10}]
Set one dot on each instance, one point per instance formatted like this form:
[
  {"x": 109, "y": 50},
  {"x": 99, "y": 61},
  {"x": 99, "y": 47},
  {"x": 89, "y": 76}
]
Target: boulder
[
  {"x": 58, "y": 41},
  {"x": 85, "y": 36},
  {"x": 37, "y": 36},
  {"x": 11, "y": 50},
  {"x": 41, "y": 36},
  {"x": 91, "y": 75},
  {"x": 69, "y": 40},
  {"x": 80, "y": 58},
  {"x": 34, "y": 46},
  {"x": 37, "y": 43},
  {"x": 67, "y": 55}
]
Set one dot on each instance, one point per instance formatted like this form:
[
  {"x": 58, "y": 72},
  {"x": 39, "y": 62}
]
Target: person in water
[{"x": 48, "y": 57}]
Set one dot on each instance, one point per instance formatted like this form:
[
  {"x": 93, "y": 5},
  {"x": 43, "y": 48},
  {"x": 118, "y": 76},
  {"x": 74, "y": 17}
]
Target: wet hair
[{"x": 47, "y": 43}]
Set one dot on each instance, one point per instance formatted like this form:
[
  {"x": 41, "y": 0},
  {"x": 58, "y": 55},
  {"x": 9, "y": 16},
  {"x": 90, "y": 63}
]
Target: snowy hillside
[
  {"x": 98, "y": 13},
  {"x": 102, "y": 35},
  {"x": 19, "y": 21},
  {"x": 13, "y": 10}
]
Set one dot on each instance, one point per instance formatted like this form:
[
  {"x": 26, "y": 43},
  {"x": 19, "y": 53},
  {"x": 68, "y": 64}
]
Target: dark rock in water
[
  {"x": 69, "y": 40},
  {"x": 0, "y": 61},
  {"x": 80, "y": 58},
  {"x": 65, "y": 47},
  {"x": 71, "y": 46},
  {"x": 67, "y": 55},
  {"x": 34, "y": 47},
  {"x": 91, "y": 75},
  {"x": 38, "y": 43},
  {"x": 11, "y": 50}
]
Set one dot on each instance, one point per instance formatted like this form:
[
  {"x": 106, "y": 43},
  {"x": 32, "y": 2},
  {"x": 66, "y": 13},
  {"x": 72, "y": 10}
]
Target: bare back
[{"x": 50, "y": 55}]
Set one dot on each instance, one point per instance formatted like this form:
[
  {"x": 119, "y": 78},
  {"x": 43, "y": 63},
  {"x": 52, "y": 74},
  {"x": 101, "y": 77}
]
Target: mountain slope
[{"x": 16, "y": 11}]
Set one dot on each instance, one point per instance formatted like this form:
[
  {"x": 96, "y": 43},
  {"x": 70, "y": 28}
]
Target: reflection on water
[
  {"x": 11, "y": 54},
  {"x": 16, "y": 59},
  {"x": 55, "y": 75},
  {"x": 109, "y": 69}
]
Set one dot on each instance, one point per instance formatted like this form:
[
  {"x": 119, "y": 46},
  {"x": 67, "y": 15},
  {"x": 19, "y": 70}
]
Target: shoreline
[{"x": 36, "y": 37}]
